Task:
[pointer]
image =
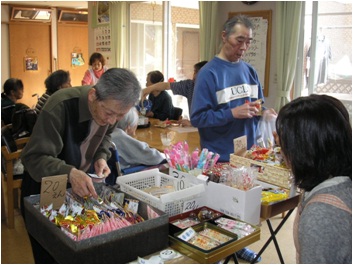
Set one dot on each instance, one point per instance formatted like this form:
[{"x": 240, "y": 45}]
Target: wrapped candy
[
  {"x": 79, "y": 222},
  {"x": 244, "y": 178},
  {"x": 235, "y": 226},
  {"x": 273, "y": 195}
]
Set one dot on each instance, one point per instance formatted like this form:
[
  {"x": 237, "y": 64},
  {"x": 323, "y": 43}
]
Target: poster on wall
[
  {"x": 77, "y": 59},
  {"x": 103, "y": 12},
  {"x": 31, "y": 63}
]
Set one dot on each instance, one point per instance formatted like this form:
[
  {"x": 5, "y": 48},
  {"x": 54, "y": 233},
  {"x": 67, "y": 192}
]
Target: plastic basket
[
  {"x": 271, "y": 174},
  {"x": 170, "y": 203}
]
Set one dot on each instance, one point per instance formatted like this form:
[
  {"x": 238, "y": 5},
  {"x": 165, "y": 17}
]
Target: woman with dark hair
[
  {"x": 13, "y": 91},
  {"x": 162, "y": 105},
  {"x": 57, "y": 80},
  {"x": 92, "y": 75},
  {"x": 315, "y": 136}
]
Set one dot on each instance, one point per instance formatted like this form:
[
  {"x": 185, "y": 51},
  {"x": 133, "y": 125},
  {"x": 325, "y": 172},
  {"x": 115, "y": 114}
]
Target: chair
[
  {"x": 177, "y": 113},
  {"x": 10, "y": 152}
]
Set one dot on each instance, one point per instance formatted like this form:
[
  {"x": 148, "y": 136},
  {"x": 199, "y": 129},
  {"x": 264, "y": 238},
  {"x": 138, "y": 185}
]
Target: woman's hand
[{"x": 101, "y": 168}]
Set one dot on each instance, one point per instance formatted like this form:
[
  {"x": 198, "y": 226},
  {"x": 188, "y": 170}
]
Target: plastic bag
[
  {"x": 146, "y": 107},
  {"x": 265, "y": 129}
]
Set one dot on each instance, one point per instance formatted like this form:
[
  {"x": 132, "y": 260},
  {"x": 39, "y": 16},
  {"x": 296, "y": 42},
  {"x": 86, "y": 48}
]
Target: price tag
[
  {"x": 187, "y": 234},
  {"x": 240, "y": 145},
  {"x": 53, "y": 191},
  {"x": 193, "y": 204}
]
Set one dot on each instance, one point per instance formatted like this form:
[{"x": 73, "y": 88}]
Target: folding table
[{"x": 273, "y": 209}]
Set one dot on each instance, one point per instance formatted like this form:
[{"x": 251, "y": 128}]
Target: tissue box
[{"x": 119, "y": 246}]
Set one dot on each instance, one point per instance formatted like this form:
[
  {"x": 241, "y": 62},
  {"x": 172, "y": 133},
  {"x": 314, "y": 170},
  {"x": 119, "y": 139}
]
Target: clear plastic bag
[{"x": 265, "y": 129}]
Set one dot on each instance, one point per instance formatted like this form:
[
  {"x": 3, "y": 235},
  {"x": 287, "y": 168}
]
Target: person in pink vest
[{"x": 92, "y": 75}]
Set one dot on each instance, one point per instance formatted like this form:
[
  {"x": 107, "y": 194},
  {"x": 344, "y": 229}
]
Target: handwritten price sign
[
  {"x": 240, "y": 145},
  {"x": 53, "y": 191}
]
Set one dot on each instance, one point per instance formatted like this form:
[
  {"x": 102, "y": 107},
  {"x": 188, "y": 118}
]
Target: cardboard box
[
  {"x": 242, "y": 205},
  {"x": 119, "y": 246}
]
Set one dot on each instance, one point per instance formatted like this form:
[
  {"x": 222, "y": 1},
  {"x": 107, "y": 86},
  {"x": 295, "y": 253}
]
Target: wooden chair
[{"x": 10, "y": 151}]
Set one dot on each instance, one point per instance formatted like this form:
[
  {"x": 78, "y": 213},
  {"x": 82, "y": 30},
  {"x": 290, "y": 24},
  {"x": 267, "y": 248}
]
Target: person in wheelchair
[{"x": 132, "y": 152}]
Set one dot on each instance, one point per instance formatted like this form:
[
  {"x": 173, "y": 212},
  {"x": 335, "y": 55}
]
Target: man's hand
[
  {"x": 245, "y": 111},
  {"x": 82, "y": 184}
]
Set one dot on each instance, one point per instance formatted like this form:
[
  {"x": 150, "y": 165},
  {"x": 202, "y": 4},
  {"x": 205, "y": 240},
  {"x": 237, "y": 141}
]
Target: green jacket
[{"x": 63, "y": 124}]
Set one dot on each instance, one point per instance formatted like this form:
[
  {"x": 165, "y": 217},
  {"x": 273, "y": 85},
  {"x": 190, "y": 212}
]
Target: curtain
[
  {"x": 118, "y": 24},
  {"x": 209, "y": 31},
  {"x": 288, "y": 17}
]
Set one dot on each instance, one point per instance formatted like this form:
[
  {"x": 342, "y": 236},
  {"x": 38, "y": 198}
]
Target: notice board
[{"x": 259, "y": 52}]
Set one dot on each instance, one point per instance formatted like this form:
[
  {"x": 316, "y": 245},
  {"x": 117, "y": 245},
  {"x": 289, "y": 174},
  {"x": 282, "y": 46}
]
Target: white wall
[{"x": 237, "y": 6}]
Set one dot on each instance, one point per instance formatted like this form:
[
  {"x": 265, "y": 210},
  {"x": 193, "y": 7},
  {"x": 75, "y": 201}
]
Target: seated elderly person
[{"x": 133, "y": 152}]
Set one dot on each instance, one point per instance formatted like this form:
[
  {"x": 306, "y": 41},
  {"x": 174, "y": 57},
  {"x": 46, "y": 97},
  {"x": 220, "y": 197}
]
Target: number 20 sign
[{"x": 53, "y": 191}]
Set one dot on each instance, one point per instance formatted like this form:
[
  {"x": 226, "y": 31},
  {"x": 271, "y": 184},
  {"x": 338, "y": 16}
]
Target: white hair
[{"x": 130, "y": 119}]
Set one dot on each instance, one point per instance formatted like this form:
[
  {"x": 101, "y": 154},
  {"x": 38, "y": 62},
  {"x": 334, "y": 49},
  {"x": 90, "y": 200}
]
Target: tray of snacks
[
  {"x": 191, "y": 218},
  {"x": 91, "y": 231},
  {"x": 214, "y": 240}
]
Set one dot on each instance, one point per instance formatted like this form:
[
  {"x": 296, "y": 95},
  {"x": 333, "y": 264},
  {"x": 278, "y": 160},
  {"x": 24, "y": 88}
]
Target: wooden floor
[{"x": 16, "y": 248}]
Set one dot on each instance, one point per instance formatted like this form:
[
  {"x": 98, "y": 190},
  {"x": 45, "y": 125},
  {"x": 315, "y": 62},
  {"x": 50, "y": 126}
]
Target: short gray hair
[
  {"x": 130, "y": 119},
  {"x": 239, "y": 19},
  {"x": 119, "y": 84}
]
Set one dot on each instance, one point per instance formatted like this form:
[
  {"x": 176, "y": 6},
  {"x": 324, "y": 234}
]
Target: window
[
  {"x": 331, "y": 71},
  {"x": 164, "y": 36},
  {"x": 30, "y": 14},
  {"x": 73, "y": 16}
]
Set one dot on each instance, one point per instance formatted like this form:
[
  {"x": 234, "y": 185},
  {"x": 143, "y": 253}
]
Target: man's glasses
[{"x": 242, "y": 40}]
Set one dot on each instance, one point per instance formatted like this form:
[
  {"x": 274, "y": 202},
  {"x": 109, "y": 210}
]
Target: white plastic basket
[{"x": 170, "y": 203}]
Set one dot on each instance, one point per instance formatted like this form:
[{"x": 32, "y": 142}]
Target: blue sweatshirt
[{"x": 221, "y": 86}]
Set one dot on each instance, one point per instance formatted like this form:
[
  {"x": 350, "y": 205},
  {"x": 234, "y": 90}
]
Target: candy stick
[
  {"x": 186, "y": 156},
  {"x": 208, "y": 161},
  {"x": 194, "y": 158},
  {"x": 202, "y": 158},
  {"x": 215, "y": 159}
]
